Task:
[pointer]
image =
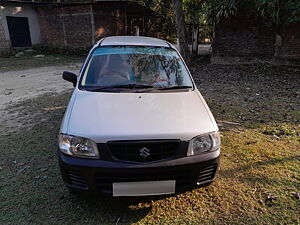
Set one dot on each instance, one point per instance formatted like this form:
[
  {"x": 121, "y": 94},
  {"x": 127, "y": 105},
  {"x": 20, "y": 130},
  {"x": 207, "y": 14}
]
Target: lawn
[{"x": 258, "y": 110}]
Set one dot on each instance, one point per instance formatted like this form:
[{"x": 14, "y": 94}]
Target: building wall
[
  {"x": 4, "y": 42},
  {"x": 290, "y": 43},
  {"x": 22, "y": 11},
  {"x": 109, "y": 20},
  {"x": 51, "y": 25},
  {"x": 242, "y": 36},
  {"x": 66, "y": 25},
  {"x": 246, "y": 39},
  {"x": 80, "y": 26}
]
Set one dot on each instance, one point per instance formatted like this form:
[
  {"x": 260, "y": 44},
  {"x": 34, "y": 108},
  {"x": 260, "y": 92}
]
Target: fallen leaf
[
  {"x": 271, "y": 197},
  {"x": 251, "y": 142},
  {"x": 43, "y": 169},
  {"x": 22, "y": 170},
  {"x": 296, "y": 195},
  {"x": 228, "y": 122},
  {"x": 53, "y": 108},
  {"x": 21, "y": 164}
]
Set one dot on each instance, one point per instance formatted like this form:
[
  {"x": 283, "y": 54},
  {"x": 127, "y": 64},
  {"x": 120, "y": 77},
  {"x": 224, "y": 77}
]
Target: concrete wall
[{"x": 22, "y": 11}]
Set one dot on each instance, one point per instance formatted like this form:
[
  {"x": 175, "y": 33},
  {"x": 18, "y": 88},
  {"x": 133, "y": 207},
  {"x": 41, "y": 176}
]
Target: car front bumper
[{"x": 97, "y": 176}]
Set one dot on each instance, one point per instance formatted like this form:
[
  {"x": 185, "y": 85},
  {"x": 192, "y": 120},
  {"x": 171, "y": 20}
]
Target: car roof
[{"x": 132, "y": 40}]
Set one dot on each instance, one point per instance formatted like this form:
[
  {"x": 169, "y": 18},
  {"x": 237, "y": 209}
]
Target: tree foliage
[
  {"x": 273, "y": 12},
  {"x": 193, "y": 10},
  {"x": 279, "y": 12},
  {"x": 164, "y": 22},
  {"x": 220, "y": 9}
]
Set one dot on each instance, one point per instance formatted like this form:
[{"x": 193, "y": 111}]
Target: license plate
[{"x": 142, "y": 188}]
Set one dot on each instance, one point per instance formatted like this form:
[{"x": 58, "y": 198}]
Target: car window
[{"x": 153, "y": 66}]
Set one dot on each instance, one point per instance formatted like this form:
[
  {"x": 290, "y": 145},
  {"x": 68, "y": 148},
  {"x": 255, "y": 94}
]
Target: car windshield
[{"x": 135, "y": 67}]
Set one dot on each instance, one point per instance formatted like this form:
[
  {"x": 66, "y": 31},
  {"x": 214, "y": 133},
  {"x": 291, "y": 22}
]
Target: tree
[
  {"x": 181, "y": 30},
  {"x": 163, "y": 25},
  {"x": 279, "y": 13},
  {"x": 193, "y": 11},
  {"x": 275, "y": 13}
]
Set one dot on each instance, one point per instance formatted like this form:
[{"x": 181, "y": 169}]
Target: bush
[{"x": 60, "y": 50}]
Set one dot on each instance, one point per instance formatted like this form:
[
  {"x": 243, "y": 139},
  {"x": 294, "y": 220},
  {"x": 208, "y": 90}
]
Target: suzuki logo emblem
[{"x": 144, "y": 152}]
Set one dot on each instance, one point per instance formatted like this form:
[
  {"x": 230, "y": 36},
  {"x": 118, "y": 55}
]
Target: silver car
[{"x": 136, "y": 123}]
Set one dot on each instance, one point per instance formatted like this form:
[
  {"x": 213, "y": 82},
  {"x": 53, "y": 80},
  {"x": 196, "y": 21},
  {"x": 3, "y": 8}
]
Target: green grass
[
  {"x": 257, "y": 182},
  {"x": 27, "y": 62}
]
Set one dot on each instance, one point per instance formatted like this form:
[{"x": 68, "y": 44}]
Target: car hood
[{"x": 103, "y": 116}]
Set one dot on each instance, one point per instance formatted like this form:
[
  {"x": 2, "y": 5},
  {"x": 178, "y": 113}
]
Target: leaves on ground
[{"x": 258, "y": 182}]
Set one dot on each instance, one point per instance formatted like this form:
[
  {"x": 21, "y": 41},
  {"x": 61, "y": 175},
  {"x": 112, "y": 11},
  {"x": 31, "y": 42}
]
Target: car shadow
[
  {"x": 116, "y": 210},
  {"x": 228, "y": 173},
  {"x": 260, "y": 178}
]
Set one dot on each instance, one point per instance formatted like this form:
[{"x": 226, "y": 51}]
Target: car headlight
[
  {"x": 77, "y": 146},
  {"x": 204, "y": 143}
]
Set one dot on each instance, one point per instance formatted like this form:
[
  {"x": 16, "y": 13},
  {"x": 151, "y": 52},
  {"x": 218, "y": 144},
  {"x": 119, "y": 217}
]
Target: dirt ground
[
  {"x": 26, "y": 84},
  {"x": 20, "y": 85},
  {"x": 250, "y": 94},
  {"x": 258, "y": 111},
  {"x": 244, "y": 89}
]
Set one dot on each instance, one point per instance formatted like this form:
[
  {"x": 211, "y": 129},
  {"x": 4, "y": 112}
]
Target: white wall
[{"x": 22, "y": 11}]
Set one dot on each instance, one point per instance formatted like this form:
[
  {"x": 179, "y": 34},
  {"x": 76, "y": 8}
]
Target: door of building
[{"x": 19, "y": 31}]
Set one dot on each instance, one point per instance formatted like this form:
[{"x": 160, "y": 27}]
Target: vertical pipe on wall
[
  {"x": 143, "y": 29},
  {"x": 63, "y": 26},
  {"x": 126, "y": 25},
  {"x": 92, "y": 24}
]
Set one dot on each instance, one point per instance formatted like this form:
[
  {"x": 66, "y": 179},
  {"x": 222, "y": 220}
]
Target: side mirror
[{"x": 71, "y": 77}]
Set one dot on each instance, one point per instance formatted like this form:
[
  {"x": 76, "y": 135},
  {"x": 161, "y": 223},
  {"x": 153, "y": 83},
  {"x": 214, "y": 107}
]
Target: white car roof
[{"x": 133, "y": 40}]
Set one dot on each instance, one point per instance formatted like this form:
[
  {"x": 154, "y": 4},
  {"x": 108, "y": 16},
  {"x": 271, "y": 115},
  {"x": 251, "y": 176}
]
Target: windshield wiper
[
  {"x": 129, "y": 86},
  {"x": 175, "y": 87},
  {"x": 166, "y": 88}
]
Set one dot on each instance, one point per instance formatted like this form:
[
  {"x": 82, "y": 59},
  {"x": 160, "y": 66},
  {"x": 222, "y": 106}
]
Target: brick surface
[
  {"x": 51, "y": 25},
  {"x": 73, "y": 25},
  {"x": 4, "y": 44},
  {"x": 109, "y": 20},
  {"x": 290, "y": 48},
  {"x": 245, "y": 36}
]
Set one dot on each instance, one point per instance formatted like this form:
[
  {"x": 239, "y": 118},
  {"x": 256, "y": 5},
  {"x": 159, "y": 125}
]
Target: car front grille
[
  {"x": 101, "y": 180},
  {"x": 104, "y": 181},
  {"x": 185, "y": 177},
  {"x": 207, "y": 174},
  {"x": 77, "y": 179},
  {"x": 144, "y": 151}
]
